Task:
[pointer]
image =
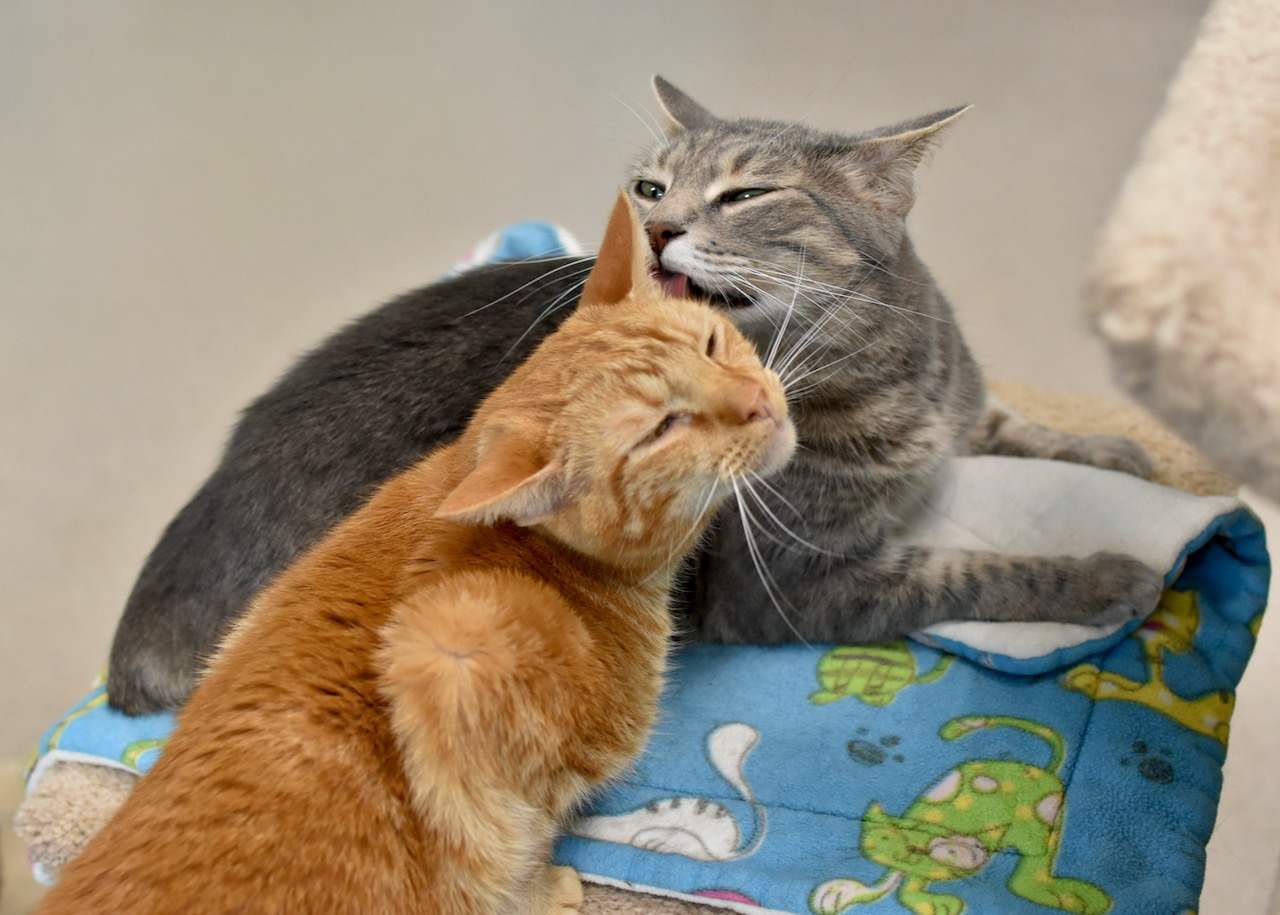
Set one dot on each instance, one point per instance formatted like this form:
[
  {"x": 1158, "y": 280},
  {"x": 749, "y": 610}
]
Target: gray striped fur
[{"x": 901, "y": 394}]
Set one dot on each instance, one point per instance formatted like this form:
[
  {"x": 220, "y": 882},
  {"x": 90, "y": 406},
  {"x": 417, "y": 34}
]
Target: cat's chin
[
  {"x": 680, "y": 286},
  {"x": 782, "y": 445}
]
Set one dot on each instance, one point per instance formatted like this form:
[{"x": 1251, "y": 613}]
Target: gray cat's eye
[
  {"x": 651, "y": 189},
  {"x": 744, "y": 193}
]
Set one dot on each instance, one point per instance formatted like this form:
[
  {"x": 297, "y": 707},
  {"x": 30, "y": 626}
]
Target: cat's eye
[
  {"x": 669, "y": 422},
  {"x": 744, "y": 193},
  {"x": 651, "y": 189}
]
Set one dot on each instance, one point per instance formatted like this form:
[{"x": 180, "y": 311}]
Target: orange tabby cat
[{"x": 408, "y": 714}]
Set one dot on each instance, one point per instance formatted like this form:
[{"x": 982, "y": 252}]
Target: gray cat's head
[{"x": 738, "y": 209}]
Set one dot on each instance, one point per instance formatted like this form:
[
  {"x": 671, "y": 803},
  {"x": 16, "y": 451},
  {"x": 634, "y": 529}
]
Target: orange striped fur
[{"x": 407, "y": 715}]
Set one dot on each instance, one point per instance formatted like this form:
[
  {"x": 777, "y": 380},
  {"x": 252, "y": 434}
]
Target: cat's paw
[
  {"x": 564, "y": 891},
  {"x": 1110, "y": 452},
  {"x": 1120, "y": 588}
]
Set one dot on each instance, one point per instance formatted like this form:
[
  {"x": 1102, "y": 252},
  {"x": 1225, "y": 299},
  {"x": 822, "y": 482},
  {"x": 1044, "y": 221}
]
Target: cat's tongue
[{"x": 675, "y": 285}]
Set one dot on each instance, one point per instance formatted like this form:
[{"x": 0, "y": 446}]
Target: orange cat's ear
[
  {"x": 622, "y": 266},
  {"x": 510, "y": 482}
]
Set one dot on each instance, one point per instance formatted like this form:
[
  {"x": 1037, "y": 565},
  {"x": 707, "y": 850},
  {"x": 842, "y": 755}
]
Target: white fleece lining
[{"x": 1051, "y": 508}]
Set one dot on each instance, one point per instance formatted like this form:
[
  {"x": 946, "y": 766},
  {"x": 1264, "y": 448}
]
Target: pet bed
[{"x": 1047, "y": 767}]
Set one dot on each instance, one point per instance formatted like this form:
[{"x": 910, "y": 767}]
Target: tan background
[{"x": 193, "y": 193}]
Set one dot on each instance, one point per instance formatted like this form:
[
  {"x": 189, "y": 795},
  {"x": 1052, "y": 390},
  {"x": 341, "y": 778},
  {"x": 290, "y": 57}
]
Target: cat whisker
[
  {"x": 524, "y": 261},
  {"x": 834, "y": 362},
  {"x": 647, "y": 126},
  {"x": 807, "y": 340},
  {"x": 778, "y": 521},
  {"x": 831, "y": 310},
  {"x": 773, "y": 489},
  {"x": 560, "y": 300},
  {"x": 777, "y": 339},
  {"x": 816, "y": 325},
  {"x": 574, "y": 263},
  {"x": 859, "y": 296},
  {"x": 819, "y": 287},
  {"x": 877, "y": 265},
  {"x": 693, "y": 527},
  {"x": 740, "y": 291},
  {"x": 758, "y": 560},
  {"x": 785, "y": 278},
  {"x": 863, "y": 297}
]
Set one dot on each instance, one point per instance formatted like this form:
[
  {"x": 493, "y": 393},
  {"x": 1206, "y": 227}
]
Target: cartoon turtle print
[
  {"x": 874, "y": 674},
  {"x": 956, "y": 828}
]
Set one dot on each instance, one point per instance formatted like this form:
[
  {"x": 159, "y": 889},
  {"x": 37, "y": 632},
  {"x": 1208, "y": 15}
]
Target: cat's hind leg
[{"x": 1002, "y": 430}]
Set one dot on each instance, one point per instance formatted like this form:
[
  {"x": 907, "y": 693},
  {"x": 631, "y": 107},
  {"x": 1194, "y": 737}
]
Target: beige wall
[{"x": 195, "y": 192}]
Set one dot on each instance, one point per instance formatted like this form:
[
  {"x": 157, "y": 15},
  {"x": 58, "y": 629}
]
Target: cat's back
[
  {"x": 448, "y": 343},
  {"x": 282, "y": 789},
  {"x": 362, "y": 406}
]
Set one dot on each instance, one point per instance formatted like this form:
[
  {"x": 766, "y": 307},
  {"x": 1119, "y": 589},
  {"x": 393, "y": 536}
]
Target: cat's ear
[
  {"x": 512, "y": 481},
  {"x": 679, "y": 111},
  {"x": 622, "y": 265},
  {"x": 883, "y": 162}
]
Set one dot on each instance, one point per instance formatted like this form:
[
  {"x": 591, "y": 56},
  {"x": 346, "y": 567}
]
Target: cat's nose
[
  {"x": 661, "y": 233},
  {"x": 750, "y": 403}
]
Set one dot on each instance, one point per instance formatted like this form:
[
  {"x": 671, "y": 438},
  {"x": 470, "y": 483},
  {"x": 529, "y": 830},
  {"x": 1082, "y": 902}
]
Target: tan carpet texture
[{"x": 1185, "y": 284}]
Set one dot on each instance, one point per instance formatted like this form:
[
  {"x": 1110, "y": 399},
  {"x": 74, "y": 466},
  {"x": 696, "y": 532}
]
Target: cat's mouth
[{"x": 680, "y": 286}]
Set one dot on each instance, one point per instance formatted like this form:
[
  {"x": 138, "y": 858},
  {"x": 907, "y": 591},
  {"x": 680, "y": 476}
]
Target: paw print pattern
[
  {"x": 867, "y": 752},
  {"x": 1156, "y": 768}
]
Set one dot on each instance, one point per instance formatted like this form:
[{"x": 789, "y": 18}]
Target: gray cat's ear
[
  {"x": 511, "y": 481},
  {"x": 679, "y": 111},
  {"x": 883, "y": 162},
  {"x": 622, "y": 264}
]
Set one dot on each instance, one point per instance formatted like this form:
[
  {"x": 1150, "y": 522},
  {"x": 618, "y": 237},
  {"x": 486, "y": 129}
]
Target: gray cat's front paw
[
  {"x": 1110, "y": 452},
  {"x": 1120, "y": 588}
]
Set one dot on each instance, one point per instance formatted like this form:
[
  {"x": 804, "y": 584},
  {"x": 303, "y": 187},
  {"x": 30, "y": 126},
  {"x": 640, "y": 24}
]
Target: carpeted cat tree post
[{"x": 1185, "y": 285}]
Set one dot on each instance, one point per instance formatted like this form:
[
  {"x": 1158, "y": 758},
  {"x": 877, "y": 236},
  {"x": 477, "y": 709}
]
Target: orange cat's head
[{"x": 627, "y": 427}]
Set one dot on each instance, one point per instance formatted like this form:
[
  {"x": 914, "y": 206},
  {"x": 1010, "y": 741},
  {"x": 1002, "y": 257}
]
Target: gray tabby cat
[
  {"x": 801, "y": 236},
  {"x": 785, "y": 225}
]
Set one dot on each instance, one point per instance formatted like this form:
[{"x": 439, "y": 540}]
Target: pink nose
[{"x": 750, "y": 403}]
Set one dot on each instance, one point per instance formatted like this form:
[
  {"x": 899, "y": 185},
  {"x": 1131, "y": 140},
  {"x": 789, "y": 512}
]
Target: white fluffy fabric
[
  {"x": 1020, "y": 506},
  {"x": 1185, "y": 285}
]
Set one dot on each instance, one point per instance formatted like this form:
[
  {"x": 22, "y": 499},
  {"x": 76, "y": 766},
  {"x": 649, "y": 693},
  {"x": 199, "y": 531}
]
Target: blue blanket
[
  {"x": 1045, "y": 768},
  {"x": 897, "y": 778}
]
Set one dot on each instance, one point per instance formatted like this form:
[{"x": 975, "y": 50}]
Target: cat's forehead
[
  {"x": 656, "y": 324},
  {"x": 743, "y": 148}
]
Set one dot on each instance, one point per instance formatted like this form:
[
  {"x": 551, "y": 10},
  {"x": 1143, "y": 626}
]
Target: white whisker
[
  {"x": 560, "y": 300},
  {"x": 697, "y": 520},
  {"x": 832, "y": 363},
  {"x": 773, "y": 350},
  {"x": 757, "y": 559},
  {"x": 578, "y": 262},
  {"x": 778, "y": 521},
  {"x": 621, "y": 101},
  {"x": 773, "y": 489}
]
